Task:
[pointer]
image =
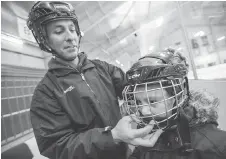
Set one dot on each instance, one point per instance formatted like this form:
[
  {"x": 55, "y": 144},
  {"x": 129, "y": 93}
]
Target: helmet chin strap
[{"x": 183, "y": 132}]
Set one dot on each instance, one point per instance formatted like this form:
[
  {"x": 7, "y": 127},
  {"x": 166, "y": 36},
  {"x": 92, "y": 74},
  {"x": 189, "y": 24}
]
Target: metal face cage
[{"x": 176, "y": 92}]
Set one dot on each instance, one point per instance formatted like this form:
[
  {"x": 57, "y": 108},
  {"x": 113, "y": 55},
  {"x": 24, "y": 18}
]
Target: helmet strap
[
  {"x": 183, "y": 132},
  {"x": 187, "y": 87}
]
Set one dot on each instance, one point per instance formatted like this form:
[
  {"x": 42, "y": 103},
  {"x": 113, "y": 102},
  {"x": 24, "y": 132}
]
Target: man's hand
[{"x": 123, "y": 132}]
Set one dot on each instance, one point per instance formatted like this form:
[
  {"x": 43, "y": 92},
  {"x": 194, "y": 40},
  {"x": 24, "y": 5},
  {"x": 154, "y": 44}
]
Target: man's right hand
[{"x": 123, "y": 132}]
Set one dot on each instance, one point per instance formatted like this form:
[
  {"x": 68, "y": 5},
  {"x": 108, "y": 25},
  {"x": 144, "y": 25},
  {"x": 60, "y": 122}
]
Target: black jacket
[
  {"x": 71, "y": 107},
  {"x": 207, "y": 141}
]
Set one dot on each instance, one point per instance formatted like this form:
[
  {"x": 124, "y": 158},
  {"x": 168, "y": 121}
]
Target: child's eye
[
  {"x": 151, "y": 102},
  {"x": 138, "y": 102}
]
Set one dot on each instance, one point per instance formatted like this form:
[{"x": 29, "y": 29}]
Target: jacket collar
[
  {"x": 202, "y": 108},
  {"x": 61, "y": 68}
]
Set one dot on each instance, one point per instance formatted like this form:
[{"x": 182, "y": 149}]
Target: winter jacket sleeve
[
  {"x": 118, "y": 78},
  {"x": 117, "y": 75},
  {"x": 136, "y": 154},
  {"x": 210, "y": 155},
  {"x": 56, "y": 135}
]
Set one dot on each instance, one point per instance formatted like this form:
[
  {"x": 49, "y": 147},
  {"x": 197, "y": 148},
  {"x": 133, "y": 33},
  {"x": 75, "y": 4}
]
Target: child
[{"x": 158, "y": 90}]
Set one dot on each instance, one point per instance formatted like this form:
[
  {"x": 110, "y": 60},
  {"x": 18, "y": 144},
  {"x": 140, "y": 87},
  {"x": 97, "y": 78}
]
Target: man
[
  {"x": 75, "y": 105},
  {"x": 159, "y": 91}
]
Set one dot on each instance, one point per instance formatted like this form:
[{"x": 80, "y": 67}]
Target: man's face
[
  {"x": 157, "y": 95},
  {"x": 63, "y": 38}
]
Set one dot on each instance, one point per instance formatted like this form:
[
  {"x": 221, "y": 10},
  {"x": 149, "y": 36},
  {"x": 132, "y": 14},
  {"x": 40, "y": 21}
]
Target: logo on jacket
[{"x": 69, "y": 89}]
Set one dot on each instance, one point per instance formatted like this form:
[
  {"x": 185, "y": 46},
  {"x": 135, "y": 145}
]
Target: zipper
[
  {"x": 102, "y": 110},
  {"x": 83, "y": 78}
]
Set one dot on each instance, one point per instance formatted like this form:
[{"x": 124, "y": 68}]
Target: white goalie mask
[{"x": 157, "y": 89}]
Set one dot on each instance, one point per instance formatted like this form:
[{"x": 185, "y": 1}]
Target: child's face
[{"x": 153, "y": 97}]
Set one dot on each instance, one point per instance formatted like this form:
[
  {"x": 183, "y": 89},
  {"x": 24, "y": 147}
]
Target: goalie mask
[{"x": 157, "y": 88}]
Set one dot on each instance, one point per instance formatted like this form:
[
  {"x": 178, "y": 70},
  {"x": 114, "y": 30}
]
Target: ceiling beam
[
  {"x": 78, "y": 5},
  {"x": 101, "y": 48},
  {"x": 100, "y": 20},
  {"x": 102, "y": 10},
  {"x": 140, "y": 28},
  {"x": 135, "y": 31}
]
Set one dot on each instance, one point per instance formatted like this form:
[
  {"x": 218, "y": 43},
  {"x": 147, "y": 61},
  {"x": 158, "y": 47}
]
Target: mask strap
[
  {"x": 183, "y": 132},
  {"x": 187, "y": 87}
]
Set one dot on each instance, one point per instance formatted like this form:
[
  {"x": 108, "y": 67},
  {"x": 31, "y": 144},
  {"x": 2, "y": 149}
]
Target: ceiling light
[
  {"x": 179, "y": 49},
  {"x": 151, "y": 48},
  {"x": 117, "y": 61},
  {"x": 122, "y": 65},
  {"x": 221, "y": 38},
  {"x": 123, "y": 41},
  {"x": 200, "y": 33},
  {"x": 159, "y": 21},
  {"x": 97, "y": 58},
  {"x": 82, "y": 33},
  {"x": 162, "y": 54}
]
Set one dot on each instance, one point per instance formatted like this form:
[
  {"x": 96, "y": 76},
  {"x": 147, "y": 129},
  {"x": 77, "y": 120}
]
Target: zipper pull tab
[{"x": 83, "y": 77}]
